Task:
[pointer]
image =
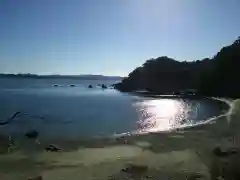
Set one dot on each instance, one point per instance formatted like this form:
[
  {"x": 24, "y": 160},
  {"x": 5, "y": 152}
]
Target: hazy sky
[{"x": 110, "y": 37}]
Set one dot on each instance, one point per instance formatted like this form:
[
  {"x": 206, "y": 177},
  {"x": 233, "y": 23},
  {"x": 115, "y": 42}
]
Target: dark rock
[
  {"x": 90, "y": 86},
  {"x": 195, "y": 177},
  {"x": 135, "y": 169},
  {"x": 233, "y": 151},
  {"x": 220, "y": 153},
  {"x": 104, "y": 86},
  {"x": 72, "y": 85},
  {"x": 55, "y": 85},
  {"x": 53, "y": 148},
  {"x": 36, "y": 178},
  {"x": 31, "y": 134}
]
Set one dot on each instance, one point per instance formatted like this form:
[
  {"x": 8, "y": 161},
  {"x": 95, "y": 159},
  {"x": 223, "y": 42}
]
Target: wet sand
[{"x": 182, "y": 154}]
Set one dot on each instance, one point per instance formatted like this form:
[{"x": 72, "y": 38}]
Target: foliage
[{"x": 216, "y": 76}]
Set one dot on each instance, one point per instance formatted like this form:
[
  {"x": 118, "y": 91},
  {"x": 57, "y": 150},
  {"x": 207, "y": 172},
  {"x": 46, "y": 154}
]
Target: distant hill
[
  {"x": 86, "y": 77},
  {"x": 217, "y": 76}
]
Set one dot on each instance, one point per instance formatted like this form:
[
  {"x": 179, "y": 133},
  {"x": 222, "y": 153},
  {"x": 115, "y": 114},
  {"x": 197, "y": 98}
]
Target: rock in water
[
  {"x": 31, "y": 134},
  {"x": 104, "y": 86},
  {"x": 90, "y": 86}
]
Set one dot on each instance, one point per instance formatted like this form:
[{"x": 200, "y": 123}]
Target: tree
[{"x": 215, "y": 77}]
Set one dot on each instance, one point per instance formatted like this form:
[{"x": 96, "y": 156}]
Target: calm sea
[{"x": 78, "y": 111}]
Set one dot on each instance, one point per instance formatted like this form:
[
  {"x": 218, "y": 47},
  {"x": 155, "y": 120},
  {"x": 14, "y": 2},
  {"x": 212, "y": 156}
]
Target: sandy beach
[{"x": 181, "y": 154}]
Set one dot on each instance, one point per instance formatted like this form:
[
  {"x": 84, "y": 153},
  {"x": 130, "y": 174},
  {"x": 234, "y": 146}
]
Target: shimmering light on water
[
  {"x": 162, "y": 114},
  {"x": 77, "y": 112}
]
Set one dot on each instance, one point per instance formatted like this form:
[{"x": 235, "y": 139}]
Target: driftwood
[
  {"x": 17, "y": 114},
  {"x": 10, "y": 119},
  {"x": 53, "y": 148},
  {"x": 21, "y": 114}
]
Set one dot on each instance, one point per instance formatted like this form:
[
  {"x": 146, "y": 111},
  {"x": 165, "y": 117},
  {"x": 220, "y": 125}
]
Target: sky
[{"x": 110, "y": 37}]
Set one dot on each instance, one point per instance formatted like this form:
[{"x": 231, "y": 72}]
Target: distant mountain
[{"x": 86, "y": 77}]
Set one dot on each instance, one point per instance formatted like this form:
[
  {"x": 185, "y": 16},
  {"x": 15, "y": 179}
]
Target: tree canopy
[{"x": 215, "y": 76}]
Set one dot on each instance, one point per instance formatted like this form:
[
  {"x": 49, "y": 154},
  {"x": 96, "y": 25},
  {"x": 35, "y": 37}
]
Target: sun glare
[{"x": 160, "y": 115}]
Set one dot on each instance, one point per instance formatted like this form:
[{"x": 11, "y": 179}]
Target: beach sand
[{"x": 181, "y": 154}]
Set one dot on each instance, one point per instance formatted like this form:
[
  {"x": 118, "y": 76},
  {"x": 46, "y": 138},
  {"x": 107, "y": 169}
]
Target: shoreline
[
  {"x": 183, "y": 127},
  {"x": 163, "y": 154},
  {"x": 90, "y": 139}
]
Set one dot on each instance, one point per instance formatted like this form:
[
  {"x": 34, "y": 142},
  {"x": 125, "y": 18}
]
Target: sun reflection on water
[{"x": 162, "y": 114}]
